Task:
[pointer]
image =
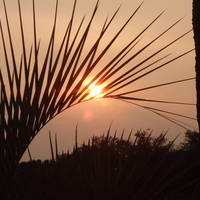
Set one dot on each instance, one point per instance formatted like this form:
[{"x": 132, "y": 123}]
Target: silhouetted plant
[
  {"x": 196, "y": 30},
  {"x": 34, "y": 92},
  {"x": 191, "y": 141},
  {"x": 109, "y": 167}
]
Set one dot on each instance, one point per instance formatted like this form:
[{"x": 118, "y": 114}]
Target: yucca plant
[{"x": 33, "y": 91}]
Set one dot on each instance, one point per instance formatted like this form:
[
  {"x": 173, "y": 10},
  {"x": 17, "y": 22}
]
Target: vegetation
[
  {"x": 33, "y": 92},
  {"x": 108, "y": 167},
  {"x": 196, "y": 30}
]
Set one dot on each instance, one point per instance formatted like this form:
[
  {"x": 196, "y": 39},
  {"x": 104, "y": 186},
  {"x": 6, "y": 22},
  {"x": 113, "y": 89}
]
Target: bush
[{"x": 109, "y": 168}]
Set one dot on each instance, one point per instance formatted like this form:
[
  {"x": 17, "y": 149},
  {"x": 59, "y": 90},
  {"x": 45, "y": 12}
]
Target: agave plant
[{"x": 34, "y": 92}]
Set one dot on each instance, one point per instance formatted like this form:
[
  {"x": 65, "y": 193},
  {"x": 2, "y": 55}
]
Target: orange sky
[{"x": 94, "y": 117}]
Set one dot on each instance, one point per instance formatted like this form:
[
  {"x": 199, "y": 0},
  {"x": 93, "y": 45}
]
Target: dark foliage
[
  {"x": 191, "y": 141},
  {"x": 39, "y": 80},
  {"x": 196, "y": 30},
  {"x": 112, "y": 168}
]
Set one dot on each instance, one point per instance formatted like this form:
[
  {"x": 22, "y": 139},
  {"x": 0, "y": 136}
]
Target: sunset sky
[{"x": 94, "y": 117}]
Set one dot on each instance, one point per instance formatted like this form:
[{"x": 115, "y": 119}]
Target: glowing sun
[{"x": 94, "y": 90}]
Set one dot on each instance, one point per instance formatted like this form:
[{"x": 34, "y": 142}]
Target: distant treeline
[{"x": 112, "y": 168}]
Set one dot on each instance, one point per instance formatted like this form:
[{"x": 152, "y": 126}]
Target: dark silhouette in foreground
[{"x": 114, "y": 168}]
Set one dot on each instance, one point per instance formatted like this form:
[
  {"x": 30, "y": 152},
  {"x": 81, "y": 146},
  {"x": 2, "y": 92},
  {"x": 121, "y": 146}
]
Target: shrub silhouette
[{"x": 109, "y": 167}]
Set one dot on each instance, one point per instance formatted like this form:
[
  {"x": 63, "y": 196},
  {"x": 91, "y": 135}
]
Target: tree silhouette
[
  {"x": 191, "y": 142},
  {"x": 196, "y": 29},
  {"x": 111, "y": 167}
]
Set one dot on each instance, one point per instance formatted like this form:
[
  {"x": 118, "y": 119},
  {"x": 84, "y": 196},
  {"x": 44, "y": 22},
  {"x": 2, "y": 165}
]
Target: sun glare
[{"x": 94, "y": 90}]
